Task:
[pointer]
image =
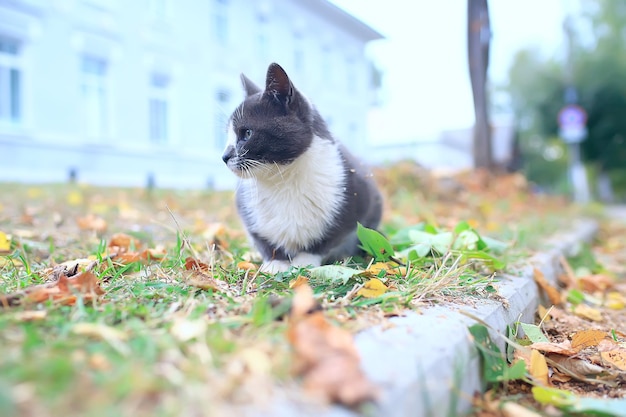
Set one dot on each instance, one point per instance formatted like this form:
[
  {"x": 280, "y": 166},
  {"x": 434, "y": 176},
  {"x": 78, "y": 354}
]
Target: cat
[{"x": 300, "y": 192}]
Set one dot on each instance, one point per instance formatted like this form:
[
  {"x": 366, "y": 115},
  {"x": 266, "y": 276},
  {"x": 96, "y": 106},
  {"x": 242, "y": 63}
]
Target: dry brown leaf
[
  {"x": 64, "y": 291},
  {"x": 92, "y": 222},
  {"x": 30, "y": 315},
  {"x": 123, "y": 242},
  {"x": 144, "y": 255},
  {"x": 568, "y": 278},
  {"x": 303, "y": 301},
  {"x": 595, "y": 282},
  {"x": 325, "y": 355},
  {"x": 246, "y": 266},
  {"x": 563, "y": 348},
  {"x": 616, "y": 357},
  {"x": 372, "y": 288},
  {"x": 538, "y": 367},
  {"x": 584, "y": 311},
  {"x": 587, "y": 338},
  {"x": 192, "y": 263},
  {"x": 553, "y": 294},
  {"x": 575, "y": 367}
]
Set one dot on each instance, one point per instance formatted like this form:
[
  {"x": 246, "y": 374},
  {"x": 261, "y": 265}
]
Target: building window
[
  {"x": 221, "y": 135},
  {"x": 159, "y": 108},
  {"x": 95, "y": 96},
  {"x": 220, "y": 20},
  {"x": 10, "y": 81}
]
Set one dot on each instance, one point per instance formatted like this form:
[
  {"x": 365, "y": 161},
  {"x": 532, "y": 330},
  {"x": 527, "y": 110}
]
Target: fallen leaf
[
  {"x": 615, "y": 301},
  {"x": 5, "y": 243},
  {"x": 587, "y": 338},
  {"x": 538, "y": 367},
  {"x": 246, "y": 266},
  {"x": 543, "y": 313},
  {"x": 575, "y": 367},
  {"x": 372, "y": 288},
  {"x": 325, "y": 355},
  {"x": 300, "y": 280},
  {"x": 377, "y": 267},
  {"x": 63, "y": 291},
  {"x": 123, "y": 242},
  {"x": 92, "y": 222},
  {"x": 184, "y": 330},
  {"x": 99, "y": 331},
  {"x": 584, "y": 311},
  {"x": 512, "y": 409},
  {"x": 303, "y": 301},
  {"x": 563, "y": 348},
  {"x": 595, "y": 282},
  {"x": 553, "y": 294},
  {"x": 616, "y": 357},
  {"x": 30, "y": 315},
  {"x": 192, "y": 263}
]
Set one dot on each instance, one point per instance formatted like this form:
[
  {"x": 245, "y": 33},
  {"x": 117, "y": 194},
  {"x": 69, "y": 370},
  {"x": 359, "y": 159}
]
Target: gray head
[{"x": 272, "y": 126}]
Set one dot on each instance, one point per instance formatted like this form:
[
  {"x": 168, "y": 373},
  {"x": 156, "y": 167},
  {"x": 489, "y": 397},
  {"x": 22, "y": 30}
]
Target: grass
[{"x": 156, "y": 345}]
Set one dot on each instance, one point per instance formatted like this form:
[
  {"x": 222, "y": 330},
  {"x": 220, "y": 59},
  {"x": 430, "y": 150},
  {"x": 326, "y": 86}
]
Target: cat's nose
[{"x": 228, "y": 153}]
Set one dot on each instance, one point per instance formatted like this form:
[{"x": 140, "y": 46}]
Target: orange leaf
[
  {"x": 563, "y": 348},
  {"x": 326, "y": 358},
  {"x": 553, "y": 294},
  {"x": 298, "y": 282},
  {"x": 92, "y": 222},
  {"x": 587, "y": 338},
  {"x": 123, "y": 242},
  {"x": 616, "y": 357},
  {"x": 246, "y": 266},
  {"x": 595, "y": 282},
  {"x": 192, "y": 263}
]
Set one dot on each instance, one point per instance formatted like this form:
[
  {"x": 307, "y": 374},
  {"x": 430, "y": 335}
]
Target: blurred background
[{"x": 138, "y": 92}]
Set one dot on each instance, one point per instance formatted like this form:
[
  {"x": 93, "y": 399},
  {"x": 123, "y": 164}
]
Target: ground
[{"x": 148, "y": 302}]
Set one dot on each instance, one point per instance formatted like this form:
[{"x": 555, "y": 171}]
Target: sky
[{"x": 424, "y": 58}]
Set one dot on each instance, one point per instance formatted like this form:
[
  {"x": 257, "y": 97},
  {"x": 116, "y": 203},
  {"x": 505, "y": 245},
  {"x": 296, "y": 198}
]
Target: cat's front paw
[{"x": 274, "y": 266}]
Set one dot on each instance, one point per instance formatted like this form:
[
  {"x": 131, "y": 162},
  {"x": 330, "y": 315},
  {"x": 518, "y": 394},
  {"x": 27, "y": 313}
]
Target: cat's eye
[{"x": 246, "y": 134}]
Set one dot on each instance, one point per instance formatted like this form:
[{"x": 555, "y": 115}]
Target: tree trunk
[{"x": 478, "y": 39}]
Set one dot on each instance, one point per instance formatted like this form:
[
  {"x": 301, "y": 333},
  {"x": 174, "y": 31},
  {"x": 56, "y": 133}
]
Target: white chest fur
[{"x": 292, "y": 206}]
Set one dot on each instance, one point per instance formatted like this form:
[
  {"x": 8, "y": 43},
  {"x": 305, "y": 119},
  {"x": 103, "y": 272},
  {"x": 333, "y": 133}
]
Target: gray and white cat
[{"x": 300, "y": 193}]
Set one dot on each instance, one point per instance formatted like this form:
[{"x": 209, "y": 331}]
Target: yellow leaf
[
  {"x": 74, "y": 198},
  {"x": 615, "y": 301},
  {"x": 5, "y": 242},
  {"x": 584, "y": 311},
  {"x": 377, "y": 267},
  {"x": 587, "y": 338},
  {"x": 539, "y": 367},
  {"x": 372, "y": 288},
  {"x": 298, "y": 281},
  {"x": 615, "y": 357},
  {"x": 33, "y": 192},
  {"x": 544, "y": 313}
]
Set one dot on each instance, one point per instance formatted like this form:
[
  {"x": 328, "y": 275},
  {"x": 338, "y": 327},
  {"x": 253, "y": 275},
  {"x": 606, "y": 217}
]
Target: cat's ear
[
  {"x": 278, "y": 85},
  {"x": 250, "y": 87}
]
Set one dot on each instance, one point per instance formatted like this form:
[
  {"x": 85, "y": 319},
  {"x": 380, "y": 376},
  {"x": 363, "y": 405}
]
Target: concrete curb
[{"x": 426, "y": 363}]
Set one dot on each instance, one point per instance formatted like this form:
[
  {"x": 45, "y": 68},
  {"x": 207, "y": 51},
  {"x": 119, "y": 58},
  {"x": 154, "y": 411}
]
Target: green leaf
[
  {"x": 534, "y": 333},
  {"x": 575, "y": 296},
  {"x": 331, "y": 273},
  {"x": 374, "y": 243},
  {"x": 461, "y": 227},
  {"x": 490, "y": 260},
  {"x": 402, "y": 237},
  {"x": 494, "y": 245},
  {"x": 495, "y": 368},
  {"x": 571, "y": 403}
]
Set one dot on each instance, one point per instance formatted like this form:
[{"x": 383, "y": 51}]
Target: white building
[{"x": 120, "y": 91}]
